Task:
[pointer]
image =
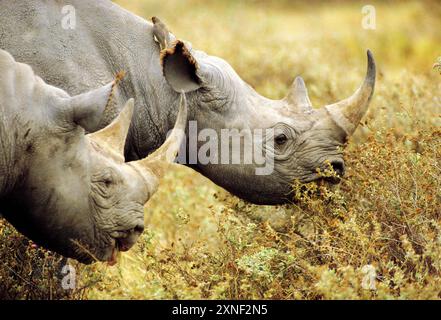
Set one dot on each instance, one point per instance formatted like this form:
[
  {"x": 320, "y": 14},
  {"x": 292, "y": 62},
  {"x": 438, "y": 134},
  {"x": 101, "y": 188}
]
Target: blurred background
[{"x": 202, "y": 242}]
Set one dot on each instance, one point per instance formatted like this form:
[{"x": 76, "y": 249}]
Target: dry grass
[{"x": 204, "y": 243}]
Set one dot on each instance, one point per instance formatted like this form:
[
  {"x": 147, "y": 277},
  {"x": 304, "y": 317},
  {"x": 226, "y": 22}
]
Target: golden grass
[{"x": 202, "y": 242}]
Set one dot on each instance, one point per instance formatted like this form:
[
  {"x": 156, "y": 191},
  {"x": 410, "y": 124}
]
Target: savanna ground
[{"x": 375, "y": 236}]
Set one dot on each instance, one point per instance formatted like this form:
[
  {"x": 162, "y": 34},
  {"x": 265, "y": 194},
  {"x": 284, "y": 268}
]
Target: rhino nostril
[
  {"x": 139, "y": 228},
  {"x": 339, "y": 167}
]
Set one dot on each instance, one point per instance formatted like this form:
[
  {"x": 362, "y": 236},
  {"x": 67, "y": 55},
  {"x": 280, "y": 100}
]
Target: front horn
[{"x": 348, "y": 113}]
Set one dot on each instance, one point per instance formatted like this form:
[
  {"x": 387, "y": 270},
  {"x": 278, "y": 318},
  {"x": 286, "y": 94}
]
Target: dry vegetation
[{"x": 204, "y": 243}]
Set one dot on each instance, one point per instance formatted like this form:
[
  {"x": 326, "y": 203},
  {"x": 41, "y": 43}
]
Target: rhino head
[
  {"x": 68, "y": 191},
  {"x": 303, "y": 140}
]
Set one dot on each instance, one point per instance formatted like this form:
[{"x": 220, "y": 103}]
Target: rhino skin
[
  {"x": 68, "y": 191},
  {"x": 108, "y": 38}
]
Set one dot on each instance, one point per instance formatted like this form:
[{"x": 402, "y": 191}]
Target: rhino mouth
[
  {"x": 123, "y": 241},
  {"x": 120, "y": 241},
  {"x": 331, "y": 180},
  {"x": 320, "y": 179},
  {"x": 313, "y": 187},
  {"x": 331, "y": 174}
]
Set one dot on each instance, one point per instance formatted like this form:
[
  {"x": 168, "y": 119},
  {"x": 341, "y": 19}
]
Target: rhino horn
[
  {"x": 114, "y": 135},
  {"x": 298, "y": 96},
  {"x": 157, "y": 161},
  {"x": 348, "y": 113}
]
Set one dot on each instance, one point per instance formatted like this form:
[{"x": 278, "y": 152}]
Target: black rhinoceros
[
  {"x": 106, "y": 38},
  {"x": 68, "y": 191}
]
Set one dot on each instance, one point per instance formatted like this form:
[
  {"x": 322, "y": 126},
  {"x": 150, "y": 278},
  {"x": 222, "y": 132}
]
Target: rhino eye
[
  {"x": 108, "y": 181},
  {"x": 107, "y": 178},
  {"x": 281, "y": 139}
]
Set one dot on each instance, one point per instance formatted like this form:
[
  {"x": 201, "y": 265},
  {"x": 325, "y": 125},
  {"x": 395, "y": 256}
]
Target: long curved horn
[
  {"x": 157, "y": 161},
  {"x": 298, "y": 96},
  {"x": 348, "y": 113}
]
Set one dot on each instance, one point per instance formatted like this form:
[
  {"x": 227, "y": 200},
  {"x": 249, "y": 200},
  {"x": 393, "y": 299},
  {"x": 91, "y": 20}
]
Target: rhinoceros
[
  {"x": 106, "y": 38},
  {"x": 68, "y": 191}
]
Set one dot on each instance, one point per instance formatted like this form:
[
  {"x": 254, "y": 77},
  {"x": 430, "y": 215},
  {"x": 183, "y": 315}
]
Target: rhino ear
[
  {"x": 180, "y": 68},
  {"x": 88, "y": 108},
  {"x": 95, "y": 109}
]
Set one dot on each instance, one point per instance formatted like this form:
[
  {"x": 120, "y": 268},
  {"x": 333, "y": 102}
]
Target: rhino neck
[{"x": 156, "y": 109}]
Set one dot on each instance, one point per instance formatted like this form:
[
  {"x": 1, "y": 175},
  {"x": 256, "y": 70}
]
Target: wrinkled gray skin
[
  {"x": 63, "y": 189},
  {"x": 108, "y": 38}
]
